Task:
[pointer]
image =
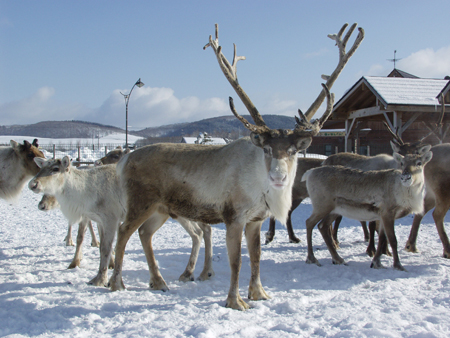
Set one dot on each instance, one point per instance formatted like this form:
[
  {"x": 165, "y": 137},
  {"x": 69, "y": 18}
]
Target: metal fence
[{"x": 80, "y": 154}]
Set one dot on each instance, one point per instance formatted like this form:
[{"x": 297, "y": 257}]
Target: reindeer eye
[
  {"x": 55, "y": 170},
  {"x": 30, "y": 155},
  {"x": 419, "y": 163}
]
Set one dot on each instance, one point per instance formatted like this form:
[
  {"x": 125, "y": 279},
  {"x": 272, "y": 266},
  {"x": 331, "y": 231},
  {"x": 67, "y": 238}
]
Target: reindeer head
[
  {"x": 51, "y": 176},
  {"x": 281, "y": 146},
  {"x": 27, "y": 152},
  {"x": 112, "y": 157},
  {"x": 412, "y": 166}
]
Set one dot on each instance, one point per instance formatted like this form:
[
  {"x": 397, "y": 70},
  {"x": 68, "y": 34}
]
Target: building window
[{"x": 328, "y": 149}]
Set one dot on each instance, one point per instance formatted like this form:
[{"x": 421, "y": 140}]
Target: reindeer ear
[
  {"x": 397, "y": 157},
  {"x": 424, "y": 149},
  {"x": 14, "y": 144},
  {"x": 427, "y": 156},
  {"x": 303, "y": 143},
  {"x": 395, "y": 146},
  {"x": 257, "y": 139},
  {"x": 65, "y": 162},
  {"x": 40, "y": 162}
]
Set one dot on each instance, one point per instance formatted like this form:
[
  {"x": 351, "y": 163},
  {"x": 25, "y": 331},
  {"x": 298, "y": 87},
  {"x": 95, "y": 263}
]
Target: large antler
[
  {"x": 230, "y": 72},
  {"x": 343, "y": 59}
]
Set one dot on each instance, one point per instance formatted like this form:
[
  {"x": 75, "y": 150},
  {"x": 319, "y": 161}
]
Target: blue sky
[{"x": 65, "y": 60}]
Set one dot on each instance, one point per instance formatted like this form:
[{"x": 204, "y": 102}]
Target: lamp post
[{"x": 138, "y": 83}]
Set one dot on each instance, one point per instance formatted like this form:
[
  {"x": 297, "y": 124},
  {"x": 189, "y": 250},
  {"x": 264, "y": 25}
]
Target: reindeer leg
[
  {"x": 371, "y": 246},
  {"x": 196, "y": 234},
  {"x": 366, "y": 232},
  {"x": 337, "y": 222},
  {"x": 94, "y": 242},
  {"x": 310, "y": 224},
  {"x": 411, "y": 245},
  {"x": 292, "y": 237},
  {"x": 271, "y": 232},
  {"x": 79, "y": 249},
  {"x": 438, "y": 215},
  {"x": 108, "y": 232},
  {"x": 208, "y": 271},
  {"x": 325, "y": 230},
  {"x": 252, "y": 235},
  {"x": 234, "y": 242},
  {"x": 123, "y": 235},
  {"x": 146, "y": 232},
  {"x": 388, "y": 224},
  {"x": 68, "y": 238},
  {"x": 376, "y": 261}
]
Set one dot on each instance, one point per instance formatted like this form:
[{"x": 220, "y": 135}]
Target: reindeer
[
  {"x": 245, "y": 182},
  {"x": 376, "y": 195},
  {"x": 113, "y": 156},
  {"x": 17, "y": 167},
  {"x": 299, "y": 193},
  {"x": 378, "y": 162},
  {"x": 437, "y": 182}
]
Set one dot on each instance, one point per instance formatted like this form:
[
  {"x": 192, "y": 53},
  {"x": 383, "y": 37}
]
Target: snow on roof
[
  {"x": 214, "y": 140},
  {"x": 407, "y": 91}
]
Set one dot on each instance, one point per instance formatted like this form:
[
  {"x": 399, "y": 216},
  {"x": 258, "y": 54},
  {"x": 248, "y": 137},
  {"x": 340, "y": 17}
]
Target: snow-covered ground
[
  {"x": 111, "y": 138},
  {"x": 39, "y": 296}
]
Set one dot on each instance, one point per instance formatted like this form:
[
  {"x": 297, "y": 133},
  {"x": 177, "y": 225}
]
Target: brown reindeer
[
  {"x": 376, "y": 195},
  {"x": 17, "y": 167},
  {"x": 437, "y": 180},
  {"x": 245, "y": 182}
]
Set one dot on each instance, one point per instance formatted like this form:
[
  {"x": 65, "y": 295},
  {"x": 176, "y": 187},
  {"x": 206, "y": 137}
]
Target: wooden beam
[{"x": 365, "y": 112}]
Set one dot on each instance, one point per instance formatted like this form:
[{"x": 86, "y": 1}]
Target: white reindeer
[
  {"x": 95, "y": 194},
  {"x": 378, "y": 195},
  {"x": 243, "y": 182},
  {"x": 17, "y": 167}
]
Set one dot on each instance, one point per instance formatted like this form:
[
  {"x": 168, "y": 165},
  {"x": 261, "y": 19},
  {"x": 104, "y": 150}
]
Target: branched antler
[
  {"x": 230, "y": 72},
  {"x": 343, "y": 59}
]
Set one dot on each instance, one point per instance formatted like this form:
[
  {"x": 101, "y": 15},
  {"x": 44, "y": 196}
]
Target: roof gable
[{"x": 389, "y": 91}]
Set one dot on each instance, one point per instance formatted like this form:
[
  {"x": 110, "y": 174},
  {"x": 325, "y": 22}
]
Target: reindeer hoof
[
  {"x": 313, "y": 261},
  {"x": 294, "y": 240},
  {"x": 237, "y": 303},
  {"x": 446, "y": 255}
]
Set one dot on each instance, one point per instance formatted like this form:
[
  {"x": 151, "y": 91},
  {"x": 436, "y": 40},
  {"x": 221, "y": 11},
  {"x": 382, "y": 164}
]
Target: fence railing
[{"x": 79, "y": 154}]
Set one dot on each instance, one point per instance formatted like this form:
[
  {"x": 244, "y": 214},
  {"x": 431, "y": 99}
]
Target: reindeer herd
[{"x": 244, "y": 183}]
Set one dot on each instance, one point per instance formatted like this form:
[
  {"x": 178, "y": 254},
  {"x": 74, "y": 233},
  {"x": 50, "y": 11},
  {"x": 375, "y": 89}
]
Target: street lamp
[{"x": 138, "y": 83}]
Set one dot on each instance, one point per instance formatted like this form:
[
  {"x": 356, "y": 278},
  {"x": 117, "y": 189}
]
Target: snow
[
  {"x": 40, "y": 297},
  {"x": 118, "y": 138}
]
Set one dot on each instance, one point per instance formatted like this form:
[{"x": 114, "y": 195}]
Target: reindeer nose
[{"x": 33, "y": 185}]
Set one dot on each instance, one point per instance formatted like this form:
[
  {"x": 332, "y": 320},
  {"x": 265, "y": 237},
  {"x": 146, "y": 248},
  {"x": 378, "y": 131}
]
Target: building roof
[
  {"x": 400, "y": 73},
  {"x": 406, "y": 91},
  {"x": 390, "y": 93}
]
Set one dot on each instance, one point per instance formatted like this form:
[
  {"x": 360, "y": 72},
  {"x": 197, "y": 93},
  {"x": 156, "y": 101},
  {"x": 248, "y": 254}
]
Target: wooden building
[{"x": 408, "y": 104}]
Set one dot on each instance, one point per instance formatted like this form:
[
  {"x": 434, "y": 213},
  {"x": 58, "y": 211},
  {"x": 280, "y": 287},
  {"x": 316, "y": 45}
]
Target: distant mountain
[
  {"x": 60, "y": 129},
  {"x": 224, "y": 126},
  {"x": 221, "y": 126}
]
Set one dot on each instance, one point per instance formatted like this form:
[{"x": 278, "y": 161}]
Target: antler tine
[
  {"x": 248, "y": 125},
  {"x": 343, "y": 59},
  {"x": 230, "y": 72},
  {"x": 394, "y": 135},
  {"x": 317, "y": 124}
]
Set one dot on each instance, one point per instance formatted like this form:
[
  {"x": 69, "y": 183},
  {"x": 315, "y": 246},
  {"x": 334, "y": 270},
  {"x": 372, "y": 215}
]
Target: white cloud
[
  {"x": 427, "y": 63},
  {"x": 150, "y": 107},
  {"x": 40, "y": 107}
]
